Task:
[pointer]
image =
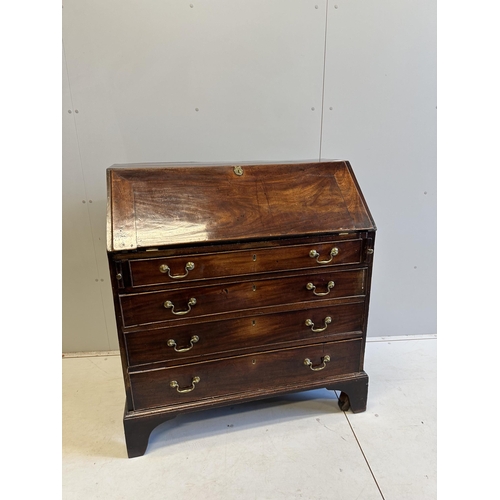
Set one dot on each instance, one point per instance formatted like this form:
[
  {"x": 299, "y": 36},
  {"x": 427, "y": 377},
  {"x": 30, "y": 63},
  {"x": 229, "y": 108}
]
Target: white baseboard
[
  {"x": 395, "y": 338},
  {"x": 90, "y": 354}
]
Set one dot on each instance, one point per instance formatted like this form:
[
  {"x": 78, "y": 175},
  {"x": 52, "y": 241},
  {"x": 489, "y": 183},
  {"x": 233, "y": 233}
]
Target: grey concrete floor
[{"x": 300, "y": 446}]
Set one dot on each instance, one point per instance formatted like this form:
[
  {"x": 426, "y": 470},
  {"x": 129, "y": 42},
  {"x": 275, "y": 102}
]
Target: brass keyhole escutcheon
[{"x": 238, "y": 170}]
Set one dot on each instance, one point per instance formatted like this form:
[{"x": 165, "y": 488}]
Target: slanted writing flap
[{"x": 155, "y": 206}]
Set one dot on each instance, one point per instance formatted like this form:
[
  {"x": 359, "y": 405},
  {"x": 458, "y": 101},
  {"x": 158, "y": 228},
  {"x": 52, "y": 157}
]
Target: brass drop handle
[
  {"x": 188, "y": 267},
  {"x": 169, "y": 305},
  {"x": 330, "y": 285},
  {"x": 308, "y": 363},
  {"x": 175, "y": 385},
  {"x": 327, "y": 320},
  {"x": 333, "y": 252},
  {"x": 172, "y": 343}
]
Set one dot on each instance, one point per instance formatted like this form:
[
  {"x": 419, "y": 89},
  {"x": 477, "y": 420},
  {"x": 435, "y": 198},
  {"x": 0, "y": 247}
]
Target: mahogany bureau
[{"x": 235, "y": 283}]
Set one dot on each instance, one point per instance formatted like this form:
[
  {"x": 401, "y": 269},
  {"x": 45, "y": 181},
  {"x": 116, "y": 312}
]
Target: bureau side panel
[
  {"x": 119, "y": 322},
  {"x": 369, "y": 252}
]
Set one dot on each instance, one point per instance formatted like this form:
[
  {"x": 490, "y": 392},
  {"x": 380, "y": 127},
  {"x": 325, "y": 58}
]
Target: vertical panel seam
[{"x": 323, "y": 84}]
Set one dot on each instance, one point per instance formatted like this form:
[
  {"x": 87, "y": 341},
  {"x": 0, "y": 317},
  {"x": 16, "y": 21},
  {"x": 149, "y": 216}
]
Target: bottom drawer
[{"x": 245, "y": 374}]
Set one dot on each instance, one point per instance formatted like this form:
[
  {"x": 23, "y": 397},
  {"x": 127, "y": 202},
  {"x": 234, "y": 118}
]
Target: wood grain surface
[{"x": 160, "y": 205}]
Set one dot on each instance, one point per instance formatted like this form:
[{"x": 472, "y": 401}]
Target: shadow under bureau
[{"x": 237, "y": 282}]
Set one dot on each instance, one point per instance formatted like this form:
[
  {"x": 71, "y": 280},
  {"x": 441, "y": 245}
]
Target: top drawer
[{"x": 158, "y": 271}]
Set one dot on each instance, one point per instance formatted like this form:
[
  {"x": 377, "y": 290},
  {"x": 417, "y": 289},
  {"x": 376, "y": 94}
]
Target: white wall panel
[
  {"x": 84, "y": 326},
  {"x": 237, "y": 80},
  {"x": 208, "y": 80},
  {"x": 380, "y": 113}
]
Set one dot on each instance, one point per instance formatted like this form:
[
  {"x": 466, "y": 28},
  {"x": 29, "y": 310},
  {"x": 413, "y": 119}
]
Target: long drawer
[
  {"x": 178, "y": 343},
  {"x": 253, "y": 373},
  {"x": 164, "y": 306},
  {"x": 155, "y": 271}
]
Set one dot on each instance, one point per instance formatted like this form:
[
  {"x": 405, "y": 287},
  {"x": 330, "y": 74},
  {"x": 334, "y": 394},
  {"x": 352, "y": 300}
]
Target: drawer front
[
  {"x": 153, "y": 307},
  {"x": 192, "y": 341},
  {"x": 156, "y": 271},
  {"x": 254, "y": 373}
]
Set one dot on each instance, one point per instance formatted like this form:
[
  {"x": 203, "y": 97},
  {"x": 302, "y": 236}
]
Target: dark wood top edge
[{"x": 155, "y": 165}]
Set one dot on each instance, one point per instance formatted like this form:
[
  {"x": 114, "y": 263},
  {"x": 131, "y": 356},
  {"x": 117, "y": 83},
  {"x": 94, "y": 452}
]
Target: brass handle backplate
[
  {"x": 166, "y": 270},
  {"x": 325, "y": 360},
  {"x": 175, "y": 385},
  {"x": 333, "y": 252},
  {"x": 327, "y": 320},
  {"x": 172, "y": 343},
  {"x": 169, "y": 305},
  {"x": 330, "y": 285}
]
